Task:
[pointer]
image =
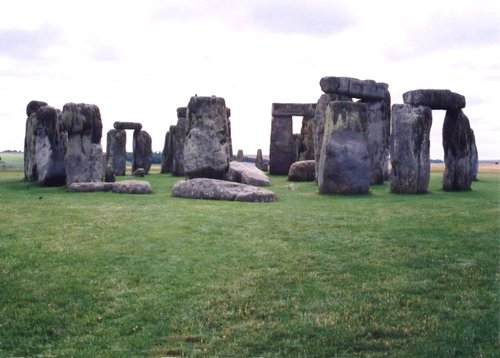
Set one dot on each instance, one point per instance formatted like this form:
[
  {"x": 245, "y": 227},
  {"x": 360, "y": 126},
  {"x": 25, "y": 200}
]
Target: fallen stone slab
[
  {"x": 247, "y": 173},
  {"x": 214, "y": 189},
  {"x": 88, "y": 187},
  {"x": 303, "y": 170},
  {"x": 127, "y": 125},
  {"x": 435, "y": 99},
  {"x": 352, "y": 87},
  {"x": 132, "y": 187}
]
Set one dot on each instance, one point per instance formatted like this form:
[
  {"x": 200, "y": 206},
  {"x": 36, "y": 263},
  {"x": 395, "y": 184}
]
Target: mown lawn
[{"x": 115, "y": 275}]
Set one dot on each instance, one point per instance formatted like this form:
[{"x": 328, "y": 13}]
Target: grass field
[{"x": 116, "y": 275}]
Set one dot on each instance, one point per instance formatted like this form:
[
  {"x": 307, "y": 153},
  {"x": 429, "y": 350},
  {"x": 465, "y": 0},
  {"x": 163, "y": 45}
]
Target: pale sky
[{"x": 140, "y": 60}]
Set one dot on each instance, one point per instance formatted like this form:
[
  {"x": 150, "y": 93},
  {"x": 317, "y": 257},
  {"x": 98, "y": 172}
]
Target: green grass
[
  {"x": 116, "y": 275},
  {"x": 11, "y": 160}
]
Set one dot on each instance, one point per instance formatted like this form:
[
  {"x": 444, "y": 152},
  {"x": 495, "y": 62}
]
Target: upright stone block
[
  {"x": 116, "y": 151},
  {"x": 167, "y": 155},
  {"x": 306, "y": 150},
  {"x": 84, "y": 159},
  {"x": 143, "y": 152},
  {"x": 457, "y": 144},
  {"x": 178, "y": 138},
  {"x": 259, "y": 160},
  {"x": 282, "y": 148},
  {"x": 319, "y": 122},
  {"x": 344, "y": 164},
  {"x": 207, "y": 144},
  {"x": 51, "y": 142},
  {"x": 409, "y": 146},
  {"x": 474, "y": 158},
  {"x": 30, "y": 170}
]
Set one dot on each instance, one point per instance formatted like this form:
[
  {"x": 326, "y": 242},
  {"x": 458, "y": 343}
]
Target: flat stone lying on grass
[
  {"x": 125, "y": 186},
  {"x": 214, "y": 189},
  {"x": 247, "y": 173}
]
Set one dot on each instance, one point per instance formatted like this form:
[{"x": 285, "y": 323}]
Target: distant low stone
[
  {"x": 214, "y": 189},
  {"x": 87, "y": 187},
  {"x": 132, "y": 187},
  {"x": 247, "y": 173},
  {"x": 128, "y": 125},
  {"x": 352, "y": 87},
  {"x": 435, "y": 99},
  {"x": 139, "y": 172},
  {"x": 109, "y": 174},
  {"x": 302, "y": 171}
]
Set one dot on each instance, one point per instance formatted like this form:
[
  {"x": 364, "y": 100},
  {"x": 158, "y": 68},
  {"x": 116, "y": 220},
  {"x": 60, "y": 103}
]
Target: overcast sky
[{"x": 140, "y": 60}]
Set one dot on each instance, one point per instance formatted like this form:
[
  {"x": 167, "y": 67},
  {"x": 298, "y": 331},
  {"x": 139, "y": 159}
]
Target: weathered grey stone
[
  {"x": 143, "y": 152},
  {"x": 87, "y": 187},
  {"x": 132, "y": 187},
  {"x": 293, "y": 109},
  {"x": 306, "y": 148},
  {"x": 409, "y": 146},
  {"x": 344, "y": 165},
  {"x": 319, "y": 122},
  {"x": 457, "y": 144},
  {"x": 247, "y": 173},
  {"x": 30, "y": 170},
  {"x": 139, "y": 172},
  {"x": 282, "y": 152},
  {"x": 435, "y": 99},
  {"x": 204, "y": 156},
  {"x": 259, "y": 160},
  {"x": 474, "y": 158},
  {"x": 109, "y": 174},
  {"x": 179, "y": 135},
  {"x": 304, "y": 170},
  {"x": 116, "y": 150},
  {"x": 128, "y": 125},
  {"x": 167, "y": 155},
  {"x": 379, "y": 127},
  {"x": 213, "y": 189},
  {"x": 84, "y": 159},
  {"x": 239, "y": 155},
  {"x": 352, "y": 87},
  {"x": 207, "y": 145},
  {"x": 50, "y": 147}
]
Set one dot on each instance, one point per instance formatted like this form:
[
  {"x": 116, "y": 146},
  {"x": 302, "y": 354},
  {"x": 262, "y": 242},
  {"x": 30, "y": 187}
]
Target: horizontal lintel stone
[{"x": 293, "y": 109}]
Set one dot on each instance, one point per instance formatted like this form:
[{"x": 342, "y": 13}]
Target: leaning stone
[
  {"x": 213, "y": 189},
  {"x": 352, "y": 87},
  {"x": 410, "y": 143},
  {"x": 344, "y": 165},
  {"x": 128, "y": 125},
  {"x": 474, "y": 159},
  {"x": 247, "y": 173},
  {"x": 457, "y": 144},
  {"x": 132, "y": 187},
  {"x": 87, "y": 187},
  {"x": 435, "y": 99},
  {"x": 302, "y": 171},
  {"x": 139, "y": 172}
]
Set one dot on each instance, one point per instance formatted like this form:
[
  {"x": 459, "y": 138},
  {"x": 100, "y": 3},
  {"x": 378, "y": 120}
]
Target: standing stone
[
  {"x": 178, "y": 138},
  {"x": 474, "y": 159},
  {"x": 409, "y": 146},
  {"x": 143, "y": 152},
  {"x": 51, "y": 142},
  {"x": 379, "y": 126},
  {"x": 306, "y": 150},
  {"x": 167, "y": 155},
  {"x": 319, "y": 122},
  {"x": 116, "y": 150},
  {"x": 84, "y": 159},
  {"x": 344, "y": 165},
  {"x": 239, "y": 155},
  {"x": 259, "y": 160},
  {"x": 282, "y": 149},
  {"x": 230, "y": 140},
  {"x": 30, "y": 170},
  {"x": 206, "y": 147},
  {"x": 457, "y": 144}
]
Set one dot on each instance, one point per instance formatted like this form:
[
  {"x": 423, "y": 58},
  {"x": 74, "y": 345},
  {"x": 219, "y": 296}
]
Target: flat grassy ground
[{"x": 116, "y": 275}]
